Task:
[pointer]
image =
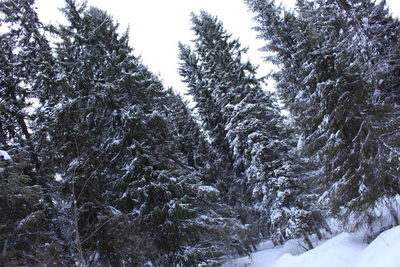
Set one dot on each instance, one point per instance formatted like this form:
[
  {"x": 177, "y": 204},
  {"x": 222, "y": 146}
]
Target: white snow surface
[
  {"x": 267, "y": 256},
  {"x": 343, "y": 250},
  {"x": 4, "y": 155},
  {"x": 383, "y": 251}
]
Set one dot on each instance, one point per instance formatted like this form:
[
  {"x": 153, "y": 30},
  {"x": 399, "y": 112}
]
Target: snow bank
[
  {"x": 4, "y": 155},
  {"x": 344, "y": 250},
  {"x": 383, "y": 251},
  {"x": 267, "y": 256},
  {"x": 340, "y": 251}
]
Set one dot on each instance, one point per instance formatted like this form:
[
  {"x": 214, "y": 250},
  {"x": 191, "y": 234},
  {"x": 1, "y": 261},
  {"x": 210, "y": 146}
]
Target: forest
[{"x": 101, "y": 165}]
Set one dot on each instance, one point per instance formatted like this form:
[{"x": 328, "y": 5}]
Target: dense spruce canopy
[
  {"x": 337, "y": 81},
  {"x": 26, "y": 70},
  {"x": 128, "y": 155},
  {"x": 26, "y": 63},
  {"x": 100, "y": 165},
  {"x": 244, "y": 122}
]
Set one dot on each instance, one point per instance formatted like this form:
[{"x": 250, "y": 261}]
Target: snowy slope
[
  {"x": 383, "y": 251},
  {"x": 267, "y": 255},
  {"x": 339, "y": 251},
  {"x": 343, "y": 250}
]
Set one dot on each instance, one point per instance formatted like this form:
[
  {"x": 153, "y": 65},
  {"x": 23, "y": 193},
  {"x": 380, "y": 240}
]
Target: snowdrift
[
  {"x": 383, "y": 251},
  {"x": 343, "y": 250}
]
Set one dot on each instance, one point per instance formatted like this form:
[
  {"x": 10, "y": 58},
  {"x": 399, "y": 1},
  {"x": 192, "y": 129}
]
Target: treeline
[{"x": 109, "y": 168}]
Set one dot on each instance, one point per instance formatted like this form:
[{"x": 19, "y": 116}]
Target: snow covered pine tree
[
  {"x": 28, "y": 235},
  {"x": 337, "y": 81},
  {"x": 244, "y": 122},
  {"x": 135, "y": 196}
]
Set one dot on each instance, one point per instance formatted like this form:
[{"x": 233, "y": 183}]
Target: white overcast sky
[{"x": 156, "y": 26}]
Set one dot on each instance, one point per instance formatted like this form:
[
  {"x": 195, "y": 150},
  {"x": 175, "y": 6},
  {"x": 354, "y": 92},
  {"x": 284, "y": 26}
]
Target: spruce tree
[
  {"x": 196, "y": 151},
  {"x": 130, "y": 172},
  {"x": 26, "y": 69},
  {"x": 329, "y": 81},
  {"x": 240, "y": 118},
  {"x": 30, "y": 235},
  {"x": 294, "y": 193}
]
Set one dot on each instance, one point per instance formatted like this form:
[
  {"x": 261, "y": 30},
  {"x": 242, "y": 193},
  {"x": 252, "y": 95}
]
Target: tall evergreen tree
[
  {"x": 26, "y": 68},
  {"x": 127, "y": 165},
  {"x": 193, "y": 144},
  {"x": 294, "y": 194},
  {"x": 237, "y": 114},
  {"x": 29, "y": 234},
  {"x": 329, "y": 82}
]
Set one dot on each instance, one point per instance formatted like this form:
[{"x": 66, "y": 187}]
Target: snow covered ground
[{"x": 343, "y": 250}]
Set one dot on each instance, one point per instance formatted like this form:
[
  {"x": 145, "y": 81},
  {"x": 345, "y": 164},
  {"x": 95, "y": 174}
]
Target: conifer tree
[
  {"x": 238, "y": 115},
  {"x": 329, "y": 81},
  {"x": 29, "y": 235},
  {"x": 135, "y": 195},
  {"x": 193, "y": 143},
  {"x": 294, "y": 194},
  {"x": 26, "y": 69}
]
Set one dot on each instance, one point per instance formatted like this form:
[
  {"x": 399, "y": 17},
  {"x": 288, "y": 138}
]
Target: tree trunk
[{"x": 308, "y": 242}]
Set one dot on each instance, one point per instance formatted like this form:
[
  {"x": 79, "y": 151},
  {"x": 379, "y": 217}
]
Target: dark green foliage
[
  {"x": 242, "y": 121},
  {"x": 25, "y": 67},
  {"x": 196, "y": 151},
  {"x": 295, "y": 192},
  {"x": 27, "y": 234},
  {"x": 132, "y": 162},
  {"x": 337, "y": 81},
  {"x": 114, "y": 170},
  {"x": 96, "y": 137}
]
